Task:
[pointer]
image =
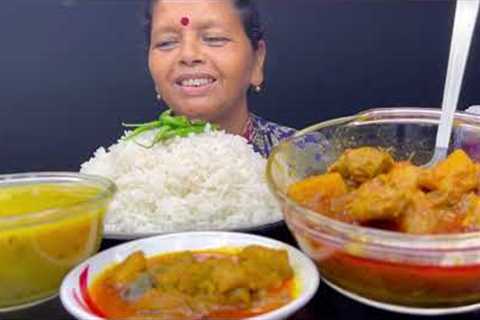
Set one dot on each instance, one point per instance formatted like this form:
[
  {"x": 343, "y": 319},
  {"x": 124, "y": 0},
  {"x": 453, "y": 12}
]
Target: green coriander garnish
[{"x": 169, "y": 126}]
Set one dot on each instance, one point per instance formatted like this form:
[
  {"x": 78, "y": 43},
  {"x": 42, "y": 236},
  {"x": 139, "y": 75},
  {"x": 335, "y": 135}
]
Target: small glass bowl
[
  {"x": 39, "y": 247},
  {"x": 385, "y": 268}
]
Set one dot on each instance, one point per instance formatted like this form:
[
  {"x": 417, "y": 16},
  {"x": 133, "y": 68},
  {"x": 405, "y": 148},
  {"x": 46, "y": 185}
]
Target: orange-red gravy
[{"x": 109, "y": 300}]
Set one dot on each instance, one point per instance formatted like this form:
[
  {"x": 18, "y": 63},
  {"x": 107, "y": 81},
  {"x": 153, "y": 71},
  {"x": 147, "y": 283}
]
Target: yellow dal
[{"x": 34, "y": 258}]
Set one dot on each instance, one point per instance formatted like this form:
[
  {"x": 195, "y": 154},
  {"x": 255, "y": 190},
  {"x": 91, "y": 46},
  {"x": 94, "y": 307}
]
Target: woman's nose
[{"x": 191, "y": 53}]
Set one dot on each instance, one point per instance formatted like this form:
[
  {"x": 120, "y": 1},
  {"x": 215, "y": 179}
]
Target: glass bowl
[
  {"x": 424, "y": 274},
  {"x": 49, "y": 223}
]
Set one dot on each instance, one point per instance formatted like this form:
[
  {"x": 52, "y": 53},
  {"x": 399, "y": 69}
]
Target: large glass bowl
[
  {"x": 381, "y": 267},
  {"x": 39, "y": 246}
]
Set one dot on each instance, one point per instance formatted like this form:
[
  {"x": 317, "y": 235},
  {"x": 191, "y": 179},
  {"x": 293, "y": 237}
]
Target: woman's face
[{"x": 200, "y": 58}]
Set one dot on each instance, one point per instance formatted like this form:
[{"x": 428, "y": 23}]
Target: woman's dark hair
[{"x": 248, "y": 13}]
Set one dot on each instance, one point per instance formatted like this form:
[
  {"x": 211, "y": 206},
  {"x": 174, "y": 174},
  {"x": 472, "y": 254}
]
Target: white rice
[{"x": 208, "y": 181}]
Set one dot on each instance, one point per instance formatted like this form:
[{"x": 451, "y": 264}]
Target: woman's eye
[
  {"x": 165, "y": 45},
  {"x": 216, "y": 41}
]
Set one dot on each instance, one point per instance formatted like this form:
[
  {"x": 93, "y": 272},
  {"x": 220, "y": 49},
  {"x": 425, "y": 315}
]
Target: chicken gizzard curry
[{"x": 219, "y": 284}]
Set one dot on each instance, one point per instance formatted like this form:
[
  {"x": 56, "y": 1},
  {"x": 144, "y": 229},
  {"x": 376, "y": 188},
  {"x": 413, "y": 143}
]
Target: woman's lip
[{"x": 193, "y": 91}]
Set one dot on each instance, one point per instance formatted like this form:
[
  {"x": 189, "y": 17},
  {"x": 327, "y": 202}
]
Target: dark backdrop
[{"x": 72, "y": 70}]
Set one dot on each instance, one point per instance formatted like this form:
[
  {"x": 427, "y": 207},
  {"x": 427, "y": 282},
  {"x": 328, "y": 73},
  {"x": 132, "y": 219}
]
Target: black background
[{"x": 72, "y": 70}]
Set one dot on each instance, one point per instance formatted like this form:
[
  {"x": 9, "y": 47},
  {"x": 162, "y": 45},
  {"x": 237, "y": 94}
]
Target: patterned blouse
[{"x": 264, "y": 135}]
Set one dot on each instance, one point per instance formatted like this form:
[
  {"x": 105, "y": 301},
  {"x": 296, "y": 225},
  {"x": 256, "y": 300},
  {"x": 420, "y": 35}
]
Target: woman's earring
[
  {"x": 257, "y": 89},
  {"x": 159, "y": 97}
]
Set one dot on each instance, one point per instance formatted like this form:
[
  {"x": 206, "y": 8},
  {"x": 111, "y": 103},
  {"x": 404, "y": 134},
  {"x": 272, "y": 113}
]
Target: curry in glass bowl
[{"x": 381, "y": 227}]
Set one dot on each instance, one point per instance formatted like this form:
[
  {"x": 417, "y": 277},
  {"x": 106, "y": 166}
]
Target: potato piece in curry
[
  {"x": 366, "y": 186},
  {"x": 453, "y": 177}
]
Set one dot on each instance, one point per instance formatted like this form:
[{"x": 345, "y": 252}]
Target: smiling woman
[{"x": 204, "y": 58}]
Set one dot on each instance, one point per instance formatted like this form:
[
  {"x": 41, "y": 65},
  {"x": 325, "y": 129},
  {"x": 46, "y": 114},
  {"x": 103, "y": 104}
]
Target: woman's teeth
[{"x": 196, "y": 82}]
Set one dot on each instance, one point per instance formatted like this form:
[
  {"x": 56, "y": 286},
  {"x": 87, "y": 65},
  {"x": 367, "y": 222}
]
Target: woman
[{"x": 204, "y": 57}]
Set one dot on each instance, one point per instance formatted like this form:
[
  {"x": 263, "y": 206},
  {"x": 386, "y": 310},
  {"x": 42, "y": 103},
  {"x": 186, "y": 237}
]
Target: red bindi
[{"x": 184, "y": 21}]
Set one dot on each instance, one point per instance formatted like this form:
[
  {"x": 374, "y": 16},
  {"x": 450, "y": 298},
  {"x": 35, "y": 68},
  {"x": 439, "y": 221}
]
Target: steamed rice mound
[{"x": 212, "y": 180}]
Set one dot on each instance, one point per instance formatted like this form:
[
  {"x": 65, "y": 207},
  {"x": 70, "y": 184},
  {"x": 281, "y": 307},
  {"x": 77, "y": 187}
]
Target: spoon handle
[{"x": 465, "y": 17}]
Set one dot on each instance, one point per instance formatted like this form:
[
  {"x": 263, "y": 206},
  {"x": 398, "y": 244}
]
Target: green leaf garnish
[{"x": 168, "y": 126}]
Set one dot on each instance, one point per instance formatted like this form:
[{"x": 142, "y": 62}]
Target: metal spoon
[{"x": 465, "y": 17}]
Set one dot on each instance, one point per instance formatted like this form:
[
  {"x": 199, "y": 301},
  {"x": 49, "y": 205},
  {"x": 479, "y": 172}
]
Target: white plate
[
  {"x": 75, "y": 304},
  {"x": 139, "y": 235},
  {"x": 403, "y": 309}
]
